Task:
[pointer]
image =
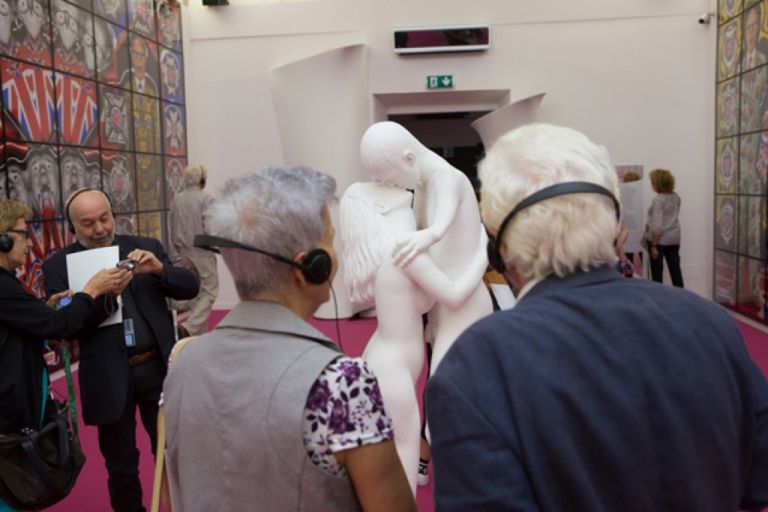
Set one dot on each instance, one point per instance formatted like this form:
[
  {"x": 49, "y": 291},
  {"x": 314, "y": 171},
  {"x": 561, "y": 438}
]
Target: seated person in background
[
  {"x": 595, "y": 392},
  {"x": 280, "y": 419}
]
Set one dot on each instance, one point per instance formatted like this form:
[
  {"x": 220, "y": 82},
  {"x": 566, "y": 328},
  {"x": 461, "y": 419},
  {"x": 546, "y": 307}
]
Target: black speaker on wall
[{"x": 215, "y": 3}]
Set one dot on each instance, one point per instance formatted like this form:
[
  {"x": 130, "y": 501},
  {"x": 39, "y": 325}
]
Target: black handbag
[{"x": 39, "y": 467}]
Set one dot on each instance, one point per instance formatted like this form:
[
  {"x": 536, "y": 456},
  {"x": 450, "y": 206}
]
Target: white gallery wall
[{"x": 635, "y": 76}]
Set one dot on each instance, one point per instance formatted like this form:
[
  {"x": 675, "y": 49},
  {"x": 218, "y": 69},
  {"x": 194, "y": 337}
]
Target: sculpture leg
[{"x": 398, "y": 390}]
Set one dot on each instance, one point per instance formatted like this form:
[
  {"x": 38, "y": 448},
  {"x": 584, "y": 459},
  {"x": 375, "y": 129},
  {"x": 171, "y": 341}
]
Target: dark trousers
[
  {"x": 671, "y": 253},
  {"x": 117, "y": 441}
]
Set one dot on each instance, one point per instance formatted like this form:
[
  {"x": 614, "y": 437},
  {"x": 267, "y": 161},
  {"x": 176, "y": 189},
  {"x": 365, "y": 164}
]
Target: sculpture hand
[{"x": 411, "y": 245}]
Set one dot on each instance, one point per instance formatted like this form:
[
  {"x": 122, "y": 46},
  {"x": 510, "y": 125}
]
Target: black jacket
[
  {"x": 104, "y": 371},
  {"x": 25, "y": 322}
]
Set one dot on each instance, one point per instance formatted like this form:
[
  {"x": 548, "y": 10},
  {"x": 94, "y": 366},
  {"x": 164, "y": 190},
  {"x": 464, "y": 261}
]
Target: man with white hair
[
  {"x": 186, "y": 221},
  {"x": 594, "y": 392}
]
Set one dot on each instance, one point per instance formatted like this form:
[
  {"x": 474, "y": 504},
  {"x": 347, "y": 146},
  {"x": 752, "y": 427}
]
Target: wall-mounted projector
[{"x": 450, "y": 38}]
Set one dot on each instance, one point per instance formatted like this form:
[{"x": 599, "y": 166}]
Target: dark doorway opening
[{"x": 450, "y": 135}]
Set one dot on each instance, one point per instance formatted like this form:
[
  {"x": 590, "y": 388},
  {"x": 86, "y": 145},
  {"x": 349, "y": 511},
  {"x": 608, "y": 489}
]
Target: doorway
[{"x": 450, "y": 135}]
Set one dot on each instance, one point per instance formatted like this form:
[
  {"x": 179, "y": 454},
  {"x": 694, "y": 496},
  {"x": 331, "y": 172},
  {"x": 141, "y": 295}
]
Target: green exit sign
[{"x": 440, "y": 82}]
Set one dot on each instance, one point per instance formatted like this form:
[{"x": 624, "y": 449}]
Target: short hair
[
  {"x": 194, "y": 175},
  {"x": 662, "y": 181},
  {"x": 559, "y": 235},
  {"x": 10, "y": 212},
  {"x": 277, "y": 209}
]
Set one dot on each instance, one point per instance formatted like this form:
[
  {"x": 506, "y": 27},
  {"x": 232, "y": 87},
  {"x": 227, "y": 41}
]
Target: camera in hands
[{"x": 126, "y": 265}]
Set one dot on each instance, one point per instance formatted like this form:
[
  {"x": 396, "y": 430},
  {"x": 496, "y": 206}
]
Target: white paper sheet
[{"x": 83, "y": 265}]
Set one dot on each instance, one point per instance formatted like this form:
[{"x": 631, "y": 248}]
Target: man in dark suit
[
  {"x": 123, "y": 365},
  {"x": 594, "y": 392}
]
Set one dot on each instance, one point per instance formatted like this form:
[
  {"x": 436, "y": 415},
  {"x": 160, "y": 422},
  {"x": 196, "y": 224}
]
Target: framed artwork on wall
[
  {"x": 741, "y": 159},
  {"x": 92, "y": 96}
]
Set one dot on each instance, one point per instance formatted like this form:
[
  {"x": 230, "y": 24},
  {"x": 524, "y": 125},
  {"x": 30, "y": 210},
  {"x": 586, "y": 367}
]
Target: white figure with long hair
[
  {"x": 372, "y": 217},
  {"x": 447, "y": 211}
]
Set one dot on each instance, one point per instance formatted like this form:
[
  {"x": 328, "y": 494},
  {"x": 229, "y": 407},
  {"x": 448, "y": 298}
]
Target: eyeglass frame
[{"x": 23, "y": 232}]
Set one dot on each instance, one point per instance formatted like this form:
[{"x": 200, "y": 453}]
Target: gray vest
[{"x": 234, "y": 402}]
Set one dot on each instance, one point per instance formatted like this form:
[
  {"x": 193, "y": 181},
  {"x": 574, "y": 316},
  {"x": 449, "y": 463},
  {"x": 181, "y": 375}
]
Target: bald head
[{"x": 91, "y": 215}]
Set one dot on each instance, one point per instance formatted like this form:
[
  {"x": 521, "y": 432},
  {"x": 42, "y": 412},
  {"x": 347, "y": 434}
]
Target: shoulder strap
[
  {"x": 178, "y": 347},
  {"x": 157, "y": 487}
]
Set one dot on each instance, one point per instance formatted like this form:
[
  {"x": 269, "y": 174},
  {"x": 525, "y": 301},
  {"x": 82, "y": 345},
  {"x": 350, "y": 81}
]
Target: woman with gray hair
[
  {"x": 594, "y": 392},
  {"x": 298, "y": 425}
]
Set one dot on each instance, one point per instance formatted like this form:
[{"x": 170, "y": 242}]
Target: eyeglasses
[{"x": 23, "y": 232}]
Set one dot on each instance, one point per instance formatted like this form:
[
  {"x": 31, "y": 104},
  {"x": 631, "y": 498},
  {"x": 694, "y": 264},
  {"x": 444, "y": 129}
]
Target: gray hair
[
  {"x": 194, "y": 175},
  {"x": 277, "y": 209},
  {"x": 560, "y": 235}
]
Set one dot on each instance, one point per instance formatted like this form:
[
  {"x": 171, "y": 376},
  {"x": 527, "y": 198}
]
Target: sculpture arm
[
  {"x": 451, "y": 293},
  {"x": 412, "y": 244}
]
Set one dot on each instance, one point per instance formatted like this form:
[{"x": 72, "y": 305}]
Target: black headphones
[
  {"x": 316, "y": 265},
  {"x": 6, "y": 243},
  {"x": 572, "y": 187},
  {"x": 71, "y": 226}
]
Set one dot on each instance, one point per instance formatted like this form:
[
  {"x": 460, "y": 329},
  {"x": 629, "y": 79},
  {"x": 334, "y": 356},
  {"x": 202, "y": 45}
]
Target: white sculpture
[
  {"x": 448, "y": 214},
  {"x": 372, "y": 217}
]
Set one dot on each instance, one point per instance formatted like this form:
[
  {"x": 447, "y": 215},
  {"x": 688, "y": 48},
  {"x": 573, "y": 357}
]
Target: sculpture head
[{"x": 391, "y": 155}]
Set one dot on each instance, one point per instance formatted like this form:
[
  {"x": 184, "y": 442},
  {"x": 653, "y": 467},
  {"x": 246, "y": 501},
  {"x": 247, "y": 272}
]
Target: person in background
[
  {"x": 26, "y": 322},
  {"x": 623, "y": 266},
  {"x": 663, "y": 228},
  {"x": 186, "y": 221},
  {"x": 122, "y": 365},
  {"x": 292, "y": 423},
  {"x": 594, "y": 392}
]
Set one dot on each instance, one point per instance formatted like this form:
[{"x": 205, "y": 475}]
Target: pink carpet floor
[{"x": 90, "y": 493}]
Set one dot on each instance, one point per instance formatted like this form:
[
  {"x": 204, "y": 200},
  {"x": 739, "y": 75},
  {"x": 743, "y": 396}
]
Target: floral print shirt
[{"x": 344, "y": 410}]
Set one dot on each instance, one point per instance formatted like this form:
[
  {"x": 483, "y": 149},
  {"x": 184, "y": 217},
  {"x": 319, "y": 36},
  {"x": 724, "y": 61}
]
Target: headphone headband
[
  {"x": 212, "y": 243},
  {"x": 316, "y": 266},
  {"x": 559, "y": 189}
]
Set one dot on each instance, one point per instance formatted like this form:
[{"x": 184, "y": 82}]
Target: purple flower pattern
[{"x": 344, "y": 410}]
